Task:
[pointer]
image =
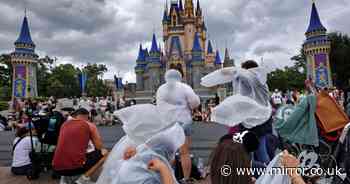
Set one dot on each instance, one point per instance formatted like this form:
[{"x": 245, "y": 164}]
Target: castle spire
[
  {"x": 196, "y": 44},
  {"x": 141, "y": 56},
  {"x": 315, "y": 22},
  {"x": 227, "y": 55},
  {"x": 217, "y": 58},
  {"x": 154, "y": 47},
  {"x": 199, "y": 9},
  {"x": 181, "y": 7},
  {"x": 24, "y": 36},
  {"x": 165, "y": 16},
  {"x": 210, "y": 48},
  {"x": 189, "y": 8}
]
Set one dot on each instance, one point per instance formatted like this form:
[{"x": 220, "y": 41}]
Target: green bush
[{"x": 4, "y": 105}]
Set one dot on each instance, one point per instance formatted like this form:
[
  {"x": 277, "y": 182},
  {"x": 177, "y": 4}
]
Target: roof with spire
[
  {"x": 204, "y": 26},
  {"x": 181, "y": 5},
  {"x": 24, "y": 36},
  {"x": 154, "y": 47},
  {"x": 141, "y": 56},
  {"x": 210, "y": 48},
  {"x": 198, "y": 9},
  {"x": 217, "y": 58},
  {"x": 227, "y": 54},
  {"x": 196, "y": 44},
  {"x": 315, "y": 22}
]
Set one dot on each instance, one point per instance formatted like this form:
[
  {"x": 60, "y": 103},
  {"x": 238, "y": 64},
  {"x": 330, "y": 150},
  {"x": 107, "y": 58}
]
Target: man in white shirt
[{"x": 175, "y": 101}]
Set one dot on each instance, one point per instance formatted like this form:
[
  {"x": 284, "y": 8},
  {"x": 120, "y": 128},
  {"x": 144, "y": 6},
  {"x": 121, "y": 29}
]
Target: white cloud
[{"x": 109, "y": 31}]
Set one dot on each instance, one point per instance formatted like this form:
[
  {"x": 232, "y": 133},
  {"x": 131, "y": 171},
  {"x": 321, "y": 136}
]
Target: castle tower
[
  {"x": 154, "y": 66},
  {"x": 140, "y": 69},
  {"x": 316, "y": 48},
  {"x": 228, "y": 62},
  {"x": 197, "y": 62},
  {"x": 24, "y": 63}
]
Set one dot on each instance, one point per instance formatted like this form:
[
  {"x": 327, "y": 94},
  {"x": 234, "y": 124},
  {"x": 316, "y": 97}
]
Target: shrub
[{"x": 4, "y": 105}]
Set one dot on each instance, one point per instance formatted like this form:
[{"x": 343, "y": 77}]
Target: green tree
[
  {"x": 5, "y": 77},
  {"x": 289, "y": 77},
  {"x": 63, "y": 81},
  {"x": 339, "y": 59},
  {"x": 95, "y": 85},
  {"x": 43, "y": 75}
]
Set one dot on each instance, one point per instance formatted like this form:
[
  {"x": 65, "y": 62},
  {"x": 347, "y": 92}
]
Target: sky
[{"x": 110, "y": 31}]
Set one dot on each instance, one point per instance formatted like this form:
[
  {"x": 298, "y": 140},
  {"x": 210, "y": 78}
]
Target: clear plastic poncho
[
  {"x": 250, "y": 103},
  {"x": 273, "y": 175},
  {"x": 162, "y": 146},
  {"x": 175, "y": 99},
  {"x": 140, "y": 123}
]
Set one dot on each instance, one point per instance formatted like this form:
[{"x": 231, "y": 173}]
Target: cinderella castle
[{"x": 186, "y": 49}]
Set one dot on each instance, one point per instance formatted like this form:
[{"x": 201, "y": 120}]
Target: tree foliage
[
  {"x": 5, "y": 77},
  {"x": 289, "y": 77},
  {"x": 95, "y": 85},
  {"x": 339, "y": 59},
  {"x": 59, "y": 81}
]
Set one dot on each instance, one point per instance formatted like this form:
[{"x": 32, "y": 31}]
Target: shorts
[{"x": 187, "y": 128}]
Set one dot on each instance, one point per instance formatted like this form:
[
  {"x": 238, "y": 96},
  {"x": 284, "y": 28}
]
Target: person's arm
[
  {"x": 164, "y": 171},
  {"x": 95, "y": 137},
  {"x": 289, "y": 161},
  {"x": 192, "y": 99}
]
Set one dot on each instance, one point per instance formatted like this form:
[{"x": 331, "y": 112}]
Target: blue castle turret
[
  {"x": 217, "y": 58},
  {"x": 317, "y": 47},
  {"x": 24, "y": 61},
  {"x": 141, "y": 59},
  {"x": 197, "y": 62},
  {"x": 154, "y": 53},
  {"x": 24, "y": 44},
  {"x": 197, "y": 51},
  {"x": 210, "y": 48},
  {"x": 315, "y": 22}
]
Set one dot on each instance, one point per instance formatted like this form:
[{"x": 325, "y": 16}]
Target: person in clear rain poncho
[
  {"x": 249, "y": 106},
  {"x": 140, "y": 123},
  {"x": 249, "y": 103},
  {"x": 149, "y": 163},
  {"x": 175, "y": 102}
]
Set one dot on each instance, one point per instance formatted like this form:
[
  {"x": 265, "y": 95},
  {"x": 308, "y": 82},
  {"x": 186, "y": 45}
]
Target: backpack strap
[{"x": 14, "y": 146}]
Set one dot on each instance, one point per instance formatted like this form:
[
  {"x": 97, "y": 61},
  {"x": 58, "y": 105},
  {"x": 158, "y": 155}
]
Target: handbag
[{"x": 330, "y": 115}]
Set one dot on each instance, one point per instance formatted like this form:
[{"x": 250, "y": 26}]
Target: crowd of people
[{"x": 260, "y": 128}]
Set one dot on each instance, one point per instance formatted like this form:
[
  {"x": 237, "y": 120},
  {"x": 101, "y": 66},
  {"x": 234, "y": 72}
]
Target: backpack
[{"x": 54, "y": 123}]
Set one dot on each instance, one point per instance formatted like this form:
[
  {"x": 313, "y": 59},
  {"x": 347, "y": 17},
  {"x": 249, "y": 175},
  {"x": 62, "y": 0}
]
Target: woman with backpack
[{"x": 22, "y": 147}]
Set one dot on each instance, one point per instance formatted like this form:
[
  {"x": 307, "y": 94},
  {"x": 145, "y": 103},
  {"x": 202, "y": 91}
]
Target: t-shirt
[
  {"x": 277, "y": 98},
  {"x": 72, "y": 145},
  {"x": 22, "y": 150}
]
